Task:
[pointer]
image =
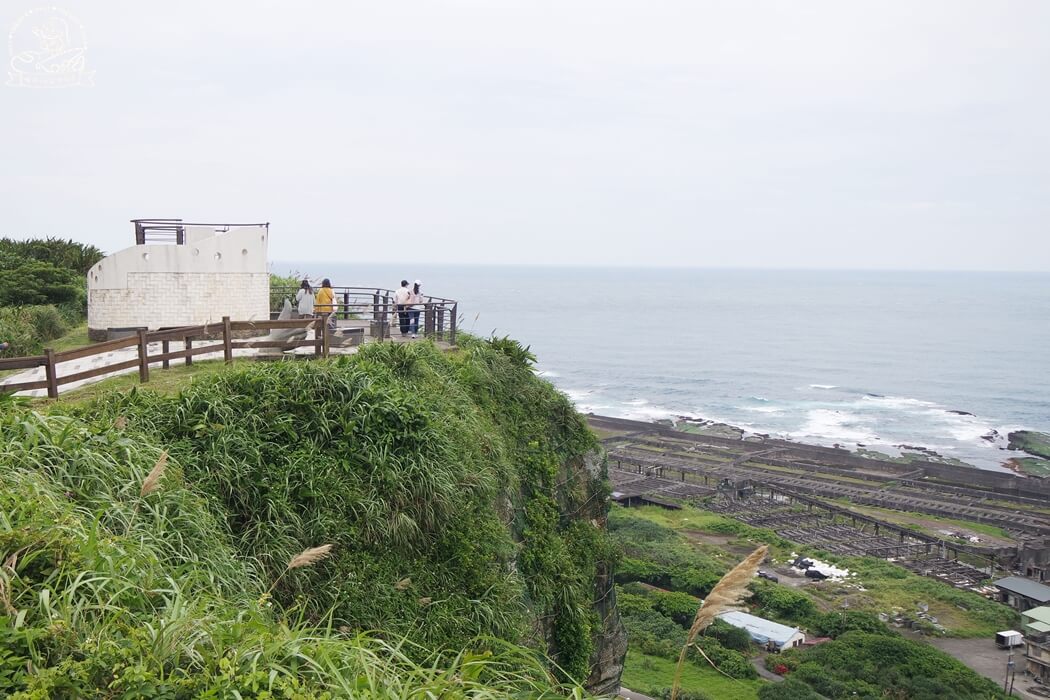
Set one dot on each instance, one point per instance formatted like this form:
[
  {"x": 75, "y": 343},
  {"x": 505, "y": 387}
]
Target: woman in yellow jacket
[{"x": 324, "y": 305}]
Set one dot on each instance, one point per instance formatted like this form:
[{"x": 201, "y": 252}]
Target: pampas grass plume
[
  {"x": 730, "y": 590},
  {"x": 153, "y": 478},
  {"x": 310, "y": 556}
]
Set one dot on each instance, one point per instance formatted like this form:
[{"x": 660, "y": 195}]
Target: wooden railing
[{"x": 212, "y": 338}]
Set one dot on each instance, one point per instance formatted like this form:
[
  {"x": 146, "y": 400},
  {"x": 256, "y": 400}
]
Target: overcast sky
[{"x": 887, "y": 134}]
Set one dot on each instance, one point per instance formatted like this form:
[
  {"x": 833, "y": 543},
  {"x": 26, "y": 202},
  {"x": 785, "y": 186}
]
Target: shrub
[
  {"x": 28, "y": 328},
  {"x": 67, "y": 254},
  {"x": 34, "y": 282},
  {"x": 790, "y": 689},
  {"x": 729, "y": 636},
  {"x": 781, "y": 601}
]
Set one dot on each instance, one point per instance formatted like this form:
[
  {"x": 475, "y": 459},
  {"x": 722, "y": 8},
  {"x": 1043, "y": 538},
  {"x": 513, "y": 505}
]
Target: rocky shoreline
[{"x": 1034, "y": 446}]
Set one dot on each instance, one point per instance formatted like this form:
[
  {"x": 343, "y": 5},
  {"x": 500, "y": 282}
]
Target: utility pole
[{"x": 1007, "y": 684}]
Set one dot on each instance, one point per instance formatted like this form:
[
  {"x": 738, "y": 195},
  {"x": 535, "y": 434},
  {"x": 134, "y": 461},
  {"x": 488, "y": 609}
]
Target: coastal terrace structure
[{"x": 837, "y": 501}]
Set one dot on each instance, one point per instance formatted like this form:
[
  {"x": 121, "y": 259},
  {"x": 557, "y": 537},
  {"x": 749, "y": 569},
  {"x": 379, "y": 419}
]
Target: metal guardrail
[{"x": 438, "y": 317}]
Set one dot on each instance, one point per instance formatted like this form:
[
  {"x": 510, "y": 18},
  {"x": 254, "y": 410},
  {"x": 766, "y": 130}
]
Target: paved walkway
[{"x": 759, "y": 662}]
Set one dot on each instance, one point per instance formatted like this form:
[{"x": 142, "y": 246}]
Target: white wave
[
  {"x": 763, "y": 409},
  {"x": 823, "y": 386},
  {"x": 838, "y": 426},
  {"x": 897, "y": 402},
  {"x": 578, "y": 395},
  {"x": 546, "y": 373}
]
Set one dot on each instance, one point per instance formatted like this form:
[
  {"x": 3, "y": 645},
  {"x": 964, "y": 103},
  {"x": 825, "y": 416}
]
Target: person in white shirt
[
  {"x": 304, "y": 300},
  {"x": 402, "y": 298},
  {"x": 415, "y": 303}
]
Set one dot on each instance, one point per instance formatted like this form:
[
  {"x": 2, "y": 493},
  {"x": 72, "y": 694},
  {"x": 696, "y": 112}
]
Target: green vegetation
[
  {"x": 651, "y": 675},
  {"x": 1030, "y": 441},
  {"x": 881, "y": 664},
  {"x": 458, "y": 490},
  {"x": 1033, "y": 466},
  {"x": 43, "y": 291},
  {"x": 681, "y": 551}
]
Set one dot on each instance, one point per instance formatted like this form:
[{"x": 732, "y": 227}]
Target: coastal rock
[
  {"x": 1030, "y": 441},
  {"x": 961, "y": 413}
]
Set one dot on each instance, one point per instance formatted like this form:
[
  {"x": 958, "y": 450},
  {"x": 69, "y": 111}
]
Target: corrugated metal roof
[
  {"x": 1040, "y": 614},
  {"x": 1025, "y": 587},
  {"x": 760, "y": 629}
]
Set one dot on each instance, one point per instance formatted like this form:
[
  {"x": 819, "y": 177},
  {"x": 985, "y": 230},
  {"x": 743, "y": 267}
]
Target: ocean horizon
[{"x": 948, "y": 361}]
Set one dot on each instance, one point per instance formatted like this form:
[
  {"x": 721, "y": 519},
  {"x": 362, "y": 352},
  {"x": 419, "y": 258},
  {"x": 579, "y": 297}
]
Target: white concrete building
[{"x": 181, "y": 275}]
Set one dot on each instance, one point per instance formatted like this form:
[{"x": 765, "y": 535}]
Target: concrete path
[
  {"x": 759, "y": 662},
  {"x": 984, "y": 657}
]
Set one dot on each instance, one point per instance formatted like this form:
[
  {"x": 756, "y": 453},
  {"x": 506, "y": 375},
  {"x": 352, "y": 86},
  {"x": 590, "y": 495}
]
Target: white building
[
  {"x": 181, "y": 274},
  {"x": 765, "y": 631}
]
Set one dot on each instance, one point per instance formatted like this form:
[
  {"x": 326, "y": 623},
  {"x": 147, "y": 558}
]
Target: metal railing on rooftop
[{"x": 173, "y": 231}]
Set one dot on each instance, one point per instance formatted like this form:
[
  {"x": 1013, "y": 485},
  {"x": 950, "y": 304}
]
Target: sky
[{"x": 743, "y": 133}]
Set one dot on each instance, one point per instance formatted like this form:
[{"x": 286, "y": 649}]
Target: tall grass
[{"x": 147, "y": 529}]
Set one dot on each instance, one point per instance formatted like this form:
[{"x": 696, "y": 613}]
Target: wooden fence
[{"x": 197, "y": 340}]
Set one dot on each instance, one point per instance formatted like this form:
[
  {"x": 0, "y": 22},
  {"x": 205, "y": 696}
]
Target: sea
[{"x": 874, "y": 360}]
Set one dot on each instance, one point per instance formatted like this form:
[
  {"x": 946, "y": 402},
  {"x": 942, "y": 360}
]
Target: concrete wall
[{"x": 158, "y": 286}]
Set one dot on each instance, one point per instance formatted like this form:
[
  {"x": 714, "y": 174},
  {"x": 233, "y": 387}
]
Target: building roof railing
[{"x": 173, "y": 231}]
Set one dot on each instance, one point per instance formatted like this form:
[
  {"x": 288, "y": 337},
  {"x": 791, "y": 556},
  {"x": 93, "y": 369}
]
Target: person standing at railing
[
  {"x": 415, "y": 303},
  {"x": 402, "y": 298},
  {"x": 325, "y": 306},
  {"x": 304, "y": 300}
]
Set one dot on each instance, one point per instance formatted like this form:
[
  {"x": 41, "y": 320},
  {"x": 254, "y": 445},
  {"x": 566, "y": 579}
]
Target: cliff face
[{"x": 464, "y": 498}]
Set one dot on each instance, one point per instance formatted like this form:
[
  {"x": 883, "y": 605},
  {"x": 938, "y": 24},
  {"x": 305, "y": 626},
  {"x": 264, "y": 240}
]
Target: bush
[
  {"x": 832, "y": 624},
  {"x": 34, "y": 283},
  {"x": 28, "y": 328},
  {"x": 729, "y": 636},
  {"x": 866, "y": 665},
  {"x": 781, "y": 601},
  {"x": 790, "y": 689},
  {"x": 67, "y": 254}
]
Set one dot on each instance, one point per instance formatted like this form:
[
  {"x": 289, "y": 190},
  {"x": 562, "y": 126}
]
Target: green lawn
[{"x": 650, "y": 674}]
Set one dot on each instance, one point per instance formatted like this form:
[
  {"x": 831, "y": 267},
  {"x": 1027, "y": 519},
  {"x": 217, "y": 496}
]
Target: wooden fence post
[
  {"x": 227, "y": 340},
  {"x": 187, "y": 345},
  {"x": 143, "y": 356},
  {"x": 51, "y": 373},
  {"x": 318, "y": 325},
  {"x": 164, "y": 347},
  {"x": 325, "y": 338},
  {"x": 346, "y": 305}
]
